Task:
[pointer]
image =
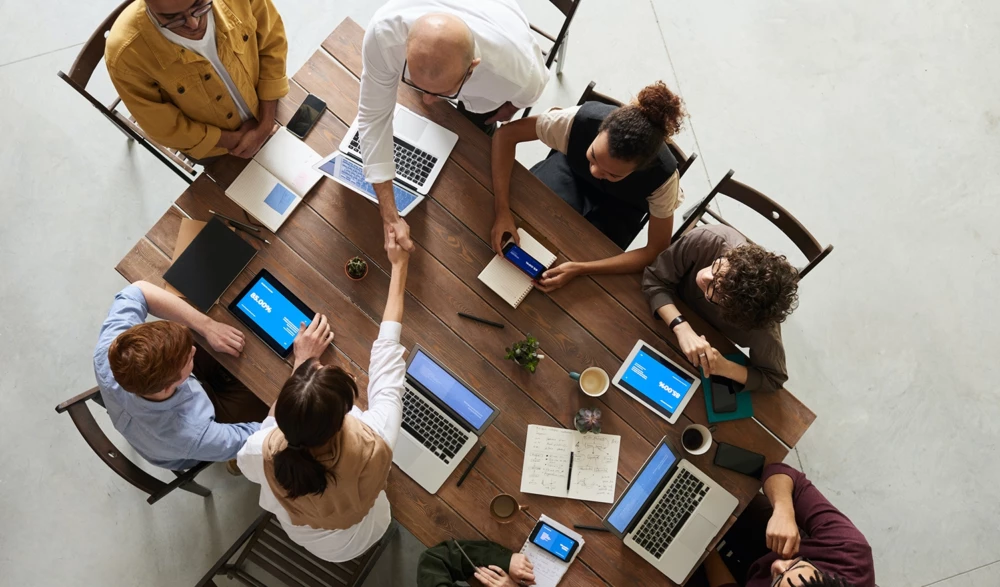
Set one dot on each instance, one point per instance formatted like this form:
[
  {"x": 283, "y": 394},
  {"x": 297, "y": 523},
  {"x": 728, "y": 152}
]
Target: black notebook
[{"x": 210, "y": 264}]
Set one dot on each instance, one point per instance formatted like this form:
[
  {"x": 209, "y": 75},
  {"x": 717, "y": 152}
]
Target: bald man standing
[{"x": 481, "y": 53}]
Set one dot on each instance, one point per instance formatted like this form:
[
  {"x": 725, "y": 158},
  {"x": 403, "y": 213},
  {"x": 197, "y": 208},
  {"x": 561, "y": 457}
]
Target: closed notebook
[
  {"x": 210, "y": 264},
  {"x": 276, "y": 180},
  {"x": 509, "y": 282}
]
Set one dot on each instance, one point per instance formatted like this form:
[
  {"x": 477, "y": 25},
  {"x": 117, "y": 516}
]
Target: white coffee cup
[
  {"x": 594, "y": 381},
  {"x": 705, "y": 439}
]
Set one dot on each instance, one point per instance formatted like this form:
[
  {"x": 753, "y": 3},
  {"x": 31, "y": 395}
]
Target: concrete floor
[{"x": 874, "y": 122}]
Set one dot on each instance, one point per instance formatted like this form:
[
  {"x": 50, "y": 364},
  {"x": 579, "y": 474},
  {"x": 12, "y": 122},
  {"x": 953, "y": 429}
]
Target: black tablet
[{"x": 271, "y": 311}]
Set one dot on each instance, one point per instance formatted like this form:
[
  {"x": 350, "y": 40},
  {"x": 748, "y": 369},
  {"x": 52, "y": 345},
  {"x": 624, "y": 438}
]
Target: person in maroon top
[{"x": 791, "y": 536}]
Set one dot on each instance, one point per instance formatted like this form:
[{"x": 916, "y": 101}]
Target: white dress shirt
[
  {"x": 386, "y": 375},
  {"x": 205, "y": 47},
  {"x": 512, "y": 68}
]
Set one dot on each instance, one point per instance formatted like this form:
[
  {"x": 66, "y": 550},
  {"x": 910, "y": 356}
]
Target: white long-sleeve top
[
  {"x": 386, "y": 375},
  {"x": 512, "y": 68}
]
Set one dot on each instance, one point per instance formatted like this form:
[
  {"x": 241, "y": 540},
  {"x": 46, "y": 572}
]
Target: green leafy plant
[
  {"x": 525, "y": 353},
  {"x": 588, "y": 420},
  {"x": 356, "y": 268}
]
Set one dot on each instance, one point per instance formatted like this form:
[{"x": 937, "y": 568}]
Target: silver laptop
[
  {"x": 670, "y": 513},
  {"x": 421, "y": 148},
  {"x": 348, "y": 172},
  {"x": 442, "y": 420}
]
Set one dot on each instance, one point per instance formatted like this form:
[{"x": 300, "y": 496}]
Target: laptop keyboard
[
  {"x": 412, "y": 164},
  {"x": 670, "y": 513},
  {"x": 430, "y": 428}
]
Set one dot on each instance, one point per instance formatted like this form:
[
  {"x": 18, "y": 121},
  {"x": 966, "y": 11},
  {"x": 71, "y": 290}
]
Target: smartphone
[
  {"x": 553, "y": 541},
  {"x": 740, "y": 460},
  {"x": 723, "y": 396},
  {"x": 306, "y": 116},
  {"x": 522, "y": 260}
]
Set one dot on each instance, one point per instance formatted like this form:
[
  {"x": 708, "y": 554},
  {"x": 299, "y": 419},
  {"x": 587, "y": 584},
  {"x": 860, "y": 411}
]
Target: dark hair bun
[{"x": 663, "y": 108}]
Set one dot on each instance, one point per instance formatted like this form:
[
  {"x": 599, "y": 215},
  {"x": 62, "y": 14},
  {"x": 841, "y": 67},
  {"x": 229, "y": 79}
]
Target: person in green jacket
[{"x": 495, "y": 566}]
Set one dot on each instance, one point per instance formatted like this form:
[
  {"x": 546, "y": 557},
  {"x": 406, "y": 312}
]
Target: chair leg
[
  {"x": 561, "y": 54},
  {"x": 196, "y": 489}
]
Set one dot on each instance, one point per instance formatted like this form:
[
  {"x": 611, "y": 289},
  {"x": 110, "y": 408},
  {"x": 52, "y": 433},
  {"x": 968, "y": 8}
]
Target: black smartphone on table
[
  {"x": 740, "y": 460},
  {"x": 306, "y": 116},
  {"x": 523, "y": 260},
  {"x": 723, "y": 395},
  {"x": 553, "y": 541}
]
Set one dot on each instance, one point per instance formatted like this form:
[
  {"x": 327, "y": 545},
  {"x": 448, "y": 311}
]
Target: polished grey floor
[{"x": 876, "y": 123}]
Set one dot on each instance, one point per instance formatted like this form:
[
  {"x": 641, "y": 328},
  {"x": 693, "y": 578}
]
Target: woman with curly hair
[
  {"x": 610, "y": 164},
  {"x": 740, "y": 288}
]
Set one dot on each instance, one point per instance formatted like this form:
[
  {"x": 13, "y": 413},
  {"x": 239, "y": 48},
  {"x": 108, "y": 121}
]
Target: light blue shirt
[{"x": 175, "y": 433}]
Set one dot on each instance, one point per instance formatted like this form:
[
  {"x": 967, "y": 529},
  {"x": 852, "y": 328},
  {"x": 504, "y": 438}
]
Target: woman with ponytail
[
  {"x": 611, "y": 165},
  {"x": 321, "y": 462}
]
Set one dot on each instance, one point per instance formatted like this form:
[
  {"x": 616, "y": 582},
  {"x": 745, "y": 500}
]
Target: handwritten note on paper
[{"x": 547, "y": 463}]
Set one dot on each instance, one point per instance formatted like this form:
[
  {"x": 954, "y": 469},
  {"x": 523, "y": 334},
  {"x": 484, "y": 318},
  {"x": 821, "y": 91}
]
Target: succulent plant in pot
[
  {"x": 525, "y": 353},
  {"x": 588, "y": 420},
  {"x": 356, "y": 268}
]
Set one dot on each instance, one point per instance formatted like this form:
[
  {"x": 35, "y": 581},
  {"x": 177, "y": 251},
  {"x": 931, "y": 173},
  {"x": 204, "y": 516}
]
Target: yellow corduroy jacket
[{"x": 174, "y": 94}]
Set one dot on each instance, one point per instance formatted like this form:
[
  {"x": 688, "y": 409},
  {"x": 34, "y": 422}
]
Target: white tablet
[{"x": 656, "y": 382}]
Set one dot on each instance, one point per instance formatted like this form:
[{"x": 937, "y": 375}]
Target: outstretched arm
[
  {"x": 505, "y": 141},
  {"x": 163, "y": 304}
]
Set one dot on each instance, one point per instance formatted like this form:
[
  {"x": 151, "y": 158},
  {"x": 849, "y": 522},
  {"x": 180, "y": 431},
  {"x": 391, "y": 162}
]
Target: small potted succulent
[
  {"x": 525, "y": 353},
  {"x": 356, "y": 268},
  {"x": 588, "y": 420}
]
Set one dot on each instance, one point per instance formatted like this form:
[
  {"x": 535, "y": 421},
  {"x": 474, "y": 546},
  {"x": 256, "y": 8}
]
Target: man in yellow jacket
[{"x": 201, "y": 76}]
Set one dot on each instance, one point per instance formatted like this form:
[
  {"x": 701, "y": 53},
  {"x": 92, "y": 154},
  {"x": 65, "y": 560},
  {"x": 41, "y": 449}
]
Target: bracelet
[{"x": 675, "y": 322}]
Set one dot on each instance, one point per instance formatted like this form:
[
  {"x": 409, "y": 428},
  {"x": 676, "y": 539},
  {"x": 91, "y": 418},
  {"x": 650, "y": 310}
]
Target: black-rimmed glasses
[
  {"x": 710, "y": 291},
  {"x": 196, "y": 12},
  {"x": 403, "y": 78},
  {"x": 795, "y": 563}
]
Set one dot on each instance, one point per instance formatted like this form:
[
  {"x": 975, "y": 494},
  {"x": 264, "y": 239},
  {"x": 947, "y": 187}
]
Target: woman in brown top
[{"x": 741, "y": 289}]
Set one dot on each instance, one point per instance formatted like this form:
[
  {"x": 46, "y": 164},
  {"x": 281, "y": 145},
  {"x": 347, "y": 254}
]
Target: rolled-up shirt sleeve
[
  {"x": 376, "y": 104},
  {"x": 660, "y": 280},
  {"x": 386, "y": 375}
]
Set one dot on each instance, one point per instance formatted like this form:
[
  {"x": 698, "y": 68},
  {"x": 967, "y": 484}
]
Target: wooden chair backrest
[
  {"x": 93, "y": 50},
  {"x": 790, "y": 226},
  {"x": 683, "y": 161},
  {"x": 270, "y": 549}
]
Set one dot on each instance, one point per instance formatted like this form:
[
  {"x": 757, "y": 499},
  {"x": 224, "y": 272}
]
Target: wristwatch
[{"x": 673, "y": 323}]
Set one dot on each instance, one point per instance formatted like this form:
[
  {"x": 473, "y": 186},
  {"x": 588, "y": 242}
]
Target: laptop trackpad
[
  {"x": 407, "y": 126},
  {"x": 698, "y": 532}
]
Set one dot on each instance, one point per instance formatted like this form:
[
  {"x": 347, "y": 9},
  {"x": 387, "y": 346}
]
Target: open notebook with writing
[
  {"x": 276, "y": 180},
  {"x": 547, "y": 464},
  {"x": 509, "y": 282}
]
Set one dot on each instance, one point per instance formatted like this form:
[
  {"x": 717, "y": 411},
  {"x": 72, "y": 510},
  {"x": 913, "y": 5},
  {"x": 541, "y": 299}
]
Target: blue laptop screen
[
  {"x": 352, "y": 173},
  {"x": 641, "y": 488},
  {"x": 652, "y": 377},
  {"x": 270, "y": 310},
  {"x": 449, "y": 390}
]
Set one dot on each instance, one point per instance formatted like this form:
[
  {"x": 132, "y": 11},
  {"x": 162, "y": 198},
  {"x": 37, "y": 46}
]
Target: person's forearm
[
  {"x": 268, "y": 111},
  {"x": 668, "y": 313},
  {"x": 778, "y": 489},
  {"x": 397, "y": 293},
  {"x": 733, "y": 371},
  {"x": 229, "y": 139},
  {"x": 167, "y": 306},
  {"x": 502, "y": 164},
  {"x": 386, "y": 202},
  {"x": 628, "y": 262}
]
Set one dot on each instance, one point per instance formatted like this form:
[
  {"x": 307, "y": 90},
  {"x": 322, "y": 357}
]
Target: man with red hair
[{"x": 172, "y": 418}]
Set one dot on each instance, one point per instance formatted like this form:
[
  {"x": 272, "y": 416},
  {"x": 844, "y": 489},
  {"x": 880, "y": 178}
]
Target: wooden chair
[
  {"x": 84, "y": 420},
  {"x": 591, "y": 95},
  {"x": 271, "y": 550},
  {"x": 557, "y": 53},
  {"x": 79, "y": 76},
  {"x": 766, "y": 207}
]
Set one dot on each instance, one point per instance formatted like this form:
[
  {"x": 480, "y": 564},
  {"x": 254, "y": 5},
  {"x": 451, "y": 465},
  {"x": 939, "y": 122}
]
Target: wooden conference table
[{"x": 592, "y": 321}]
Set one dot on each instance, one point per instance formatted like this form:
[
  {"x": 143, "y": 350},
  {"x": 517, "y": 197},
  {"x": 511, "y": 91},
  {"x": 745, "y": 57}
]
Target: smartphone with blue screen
[
  {"x": 523, "y": 260},
  {"x": 553, "y": 541}
]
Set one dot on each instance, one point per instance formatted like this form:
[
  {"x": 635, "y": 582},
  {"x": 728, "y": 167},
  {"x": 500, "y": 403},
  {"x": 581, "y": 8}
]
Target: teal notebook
[{"x": 744, "y": 408}]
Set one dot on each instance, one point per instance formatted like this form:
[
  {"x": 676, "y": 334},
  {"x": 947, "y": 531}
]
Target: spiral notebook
[
  {"x": 548, "y": 569},
  {"x": 509, "y": 282}
]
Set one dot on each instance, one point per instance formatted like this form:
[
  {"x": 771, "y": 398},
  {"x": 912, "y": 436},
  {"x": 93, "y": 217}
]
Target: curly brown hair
[
  {"x": 758, "y": 289},
  {"x": 636, "y": 131}
]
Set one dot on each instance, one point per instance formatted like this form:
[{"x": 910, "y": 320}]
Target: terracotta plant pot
[{"x": 348, "y": 273}]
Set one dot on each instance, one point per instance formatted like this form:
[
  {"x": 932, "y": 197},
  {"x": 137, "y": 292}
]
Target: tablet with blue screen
[
  {"x": 272, "y": 312},
  {"x": 656, "y": 382}
]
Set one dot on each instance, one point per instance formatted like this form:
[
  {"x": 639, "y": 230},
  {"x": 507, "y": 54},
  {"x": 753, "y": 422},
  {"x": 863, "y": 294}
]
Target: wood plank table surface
[{"x": 592, "y": 321}]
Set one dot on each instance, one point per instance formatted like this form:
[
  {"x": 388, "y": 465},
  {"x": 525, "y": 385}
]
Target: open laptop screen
[
  {"x": 449, "y": 390},
  {"x": 639, "y": 491}
]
